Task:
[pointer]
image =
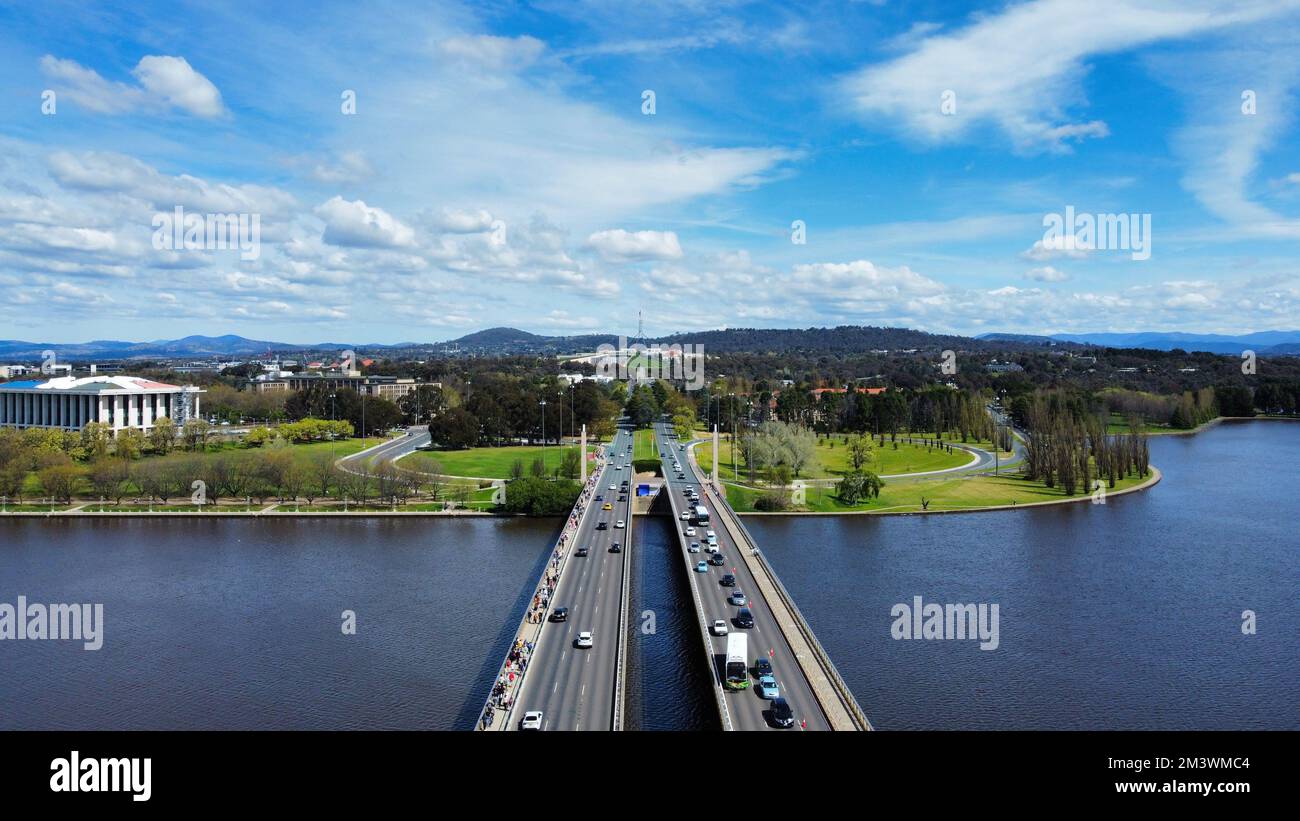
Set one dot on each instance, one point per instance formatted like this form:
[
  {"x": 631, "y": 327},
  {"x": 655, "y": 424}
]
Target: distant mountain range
[
  {"x": 1272, "y": 343},
  {"x": 512, "y": 341}
]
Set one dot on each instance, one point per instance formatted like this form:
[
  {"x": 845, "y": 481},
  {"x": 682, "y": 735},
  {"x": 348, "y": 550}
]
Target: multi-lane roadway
[
  {"x": 747, "y": 709},
  {"x": 574, "y": 687}
]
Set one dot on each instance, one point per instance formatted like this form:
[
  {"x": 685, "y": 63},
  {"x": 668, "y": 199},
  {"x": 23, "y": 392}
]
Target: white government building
[{"x": 72, "y": 403}]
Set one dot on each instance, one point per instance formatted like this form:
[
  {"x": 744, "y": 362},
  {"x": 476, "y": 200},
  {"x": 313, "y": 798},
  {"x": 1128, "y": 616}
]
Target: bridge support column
[{"x": 582, "y": 455}]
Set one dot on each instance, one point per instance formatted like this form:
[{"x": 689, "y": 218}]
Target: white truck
[{"x": 737, "y": 672}]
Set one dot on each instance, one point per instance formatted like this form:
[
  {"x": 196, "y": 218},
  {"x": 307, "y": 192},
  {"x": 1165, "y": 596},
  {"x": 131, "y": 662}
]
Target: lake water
[{"x": 1124, "y": 615}]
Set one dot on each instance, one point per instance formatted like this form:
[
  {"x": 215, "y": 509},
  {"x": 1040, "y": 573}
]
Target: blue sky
[{"x": 499, "y": 168}]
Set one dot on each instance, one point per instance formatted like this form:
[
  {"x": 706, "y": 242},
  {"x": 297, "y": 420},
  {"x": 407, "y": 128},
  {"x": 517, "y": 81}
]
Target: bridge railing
[
  {"x": 823, "y": 658},
  {"x": 564, "y": 543},
  {"x": 719, "y": 694}
]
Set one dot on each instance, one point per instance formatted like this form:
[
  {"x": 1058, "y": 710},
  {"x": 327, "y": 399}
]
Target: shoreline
[{"x": 1150, "y": 481}]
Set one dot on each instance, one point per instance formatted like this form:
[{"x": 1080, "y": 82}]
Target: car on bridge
[
  {"x": 727, "y": 581},
  {"x": 607, "y": 506},
  {"x": 745, "y": 618},
  {"x": 738, "y": 599},
  {"x": 560, "y": 614},
  {"x": 782, "y": 715},
  {"x": 690, "y": 531},
  {"x": 600, "y": 497},
  {"x": 613, "y": 487},
  {"x": 532, "y": 720},
  {"x": 581, "y": 552},
  {"x": 701, "y": 567},
  {"x": 717, "y": 560},
  {"x": 685, "y": 516},
  {"x": 763, "y": 667},
  {"x": 767, "y": 687},
  {"x": 583, "y": 641},
  {"x": 619, "y": 523},
  {"x": 602, "y": 525},
  {"x": 615, "y": 548},
  {"x": 719, "y": 627},
  {"x": 694, "y": 548}
]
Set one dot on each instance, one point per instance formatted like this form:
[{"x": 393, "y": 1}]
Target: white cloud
[
  {"x": 1021, "y": 69},
  {"x": 165, "y": 82},
  {"x": 353, "y": 223},
  {"x": 493, "y": 53},
  {"x": 620, "y": 245},
  {"x": 1046, "y": 273}
]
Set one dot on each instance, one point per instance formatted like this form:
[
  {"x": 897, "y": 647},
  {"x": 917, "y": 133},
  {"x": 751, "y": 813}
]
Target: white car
[
  {"x": 685, "y": 517},
  {"x": 613, "y": 487},
  {"x": 583, "y": 642},
  {"x": 713, "y": 541},
  {"x": 532, "y": 720},
  {"x": 694, "y": 548},
  {"x": 710, "y": 534},
  {"x": 690, "y": 531},
  {"x": 719, "y": 628},
  {"x": 710, "y": 548},
  {"x": 619, "y": 523}
]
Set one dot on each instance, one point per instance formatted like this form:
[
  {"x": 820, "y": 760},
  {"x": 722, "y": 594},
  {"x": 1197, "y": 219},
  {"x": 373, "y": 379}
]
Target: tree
[
  {"x": 570, "y": 463},
  {"x": 162, "y": 436},
  {"x": 517, "y": 469},
  {"x": 858, "y": 485},
  {"x": 59, "y": 478},
  {"x": 455, "y": 428},
  {"x": 96, "y": 439},
  {"x": 129, "y": 443},
  {"x": 860, "y": 452},
  {"x": 109, "y": 478},
  {"x": 195, "y": 433}
]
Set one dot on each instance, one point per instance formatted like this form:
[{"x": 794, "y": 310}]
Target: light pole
[{"x": 543, "y": 404}]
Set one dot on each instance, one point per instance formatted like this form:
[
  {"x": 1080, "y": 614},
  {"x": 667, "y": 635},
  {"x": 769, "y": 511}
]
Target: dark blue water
[
  {"x": 1119, "y": 616},
  {"x": 669, "y": 685},
  {"x": 236, "y": 624},
  {"x": 1123, "y": 615}
]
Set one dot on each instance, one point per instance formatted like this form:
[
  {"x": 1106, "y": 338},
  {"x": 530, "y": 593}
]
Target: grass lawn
[
  {"x": 832, "y": 459},
  {"x": 956, "y": 493},
  {"x": 643, "y": 445},
  {"x": 490, "y": 463}
]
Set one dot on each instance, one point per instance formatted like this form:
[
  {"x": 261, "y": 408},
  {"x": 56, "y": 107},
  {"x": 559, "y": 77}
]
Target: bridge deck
[
  {"x": 580, "y": 689},
  {"x": 805, "y": 676}
]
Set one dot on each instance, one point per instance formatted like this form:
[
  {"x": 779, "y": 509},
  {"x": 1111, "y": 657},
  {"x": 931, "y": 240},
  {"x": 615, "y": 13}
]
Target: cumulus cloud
[
  {"x": 165, "y": 82},
  {"x": 620, "y": 245},
  {"x": 353, "y": 223}
]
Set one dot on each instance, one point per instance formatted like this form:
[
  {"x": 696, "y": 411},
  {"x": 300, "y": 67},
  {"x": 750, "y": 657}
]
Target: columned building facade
[{"x": 117, "y": 401}]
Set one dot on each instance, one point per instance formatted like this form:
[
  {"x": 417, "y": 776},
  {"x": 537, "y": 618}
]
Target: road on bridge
[
  {"x": 747, "y": 708},
  {"x": 574, "y": 687}
]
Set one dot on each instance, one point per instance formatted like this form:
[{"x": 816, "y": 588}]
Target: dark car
[
  {"x": 762, "y": 667},
  {"x": 622, "y": 498},
  {"x": 582, "y": 551},
  {"x": 717, "y": 560},
  {"x": 560, "y": 614},
  {"x": 602, "y": 525},
  {"x": 744, "y": 618},
  {"x": 782, "y": 715},
  {"x": 614, "y": 548},
  {"x": 600, "y": 497},
  {"x": 727, "y": 581}
]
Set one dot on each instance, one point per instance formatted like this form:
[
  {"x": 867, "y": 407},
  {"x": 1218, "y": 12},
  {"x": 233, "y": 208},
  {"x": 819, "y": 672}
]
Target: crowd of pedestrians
[{"x": 517, "y": 661}]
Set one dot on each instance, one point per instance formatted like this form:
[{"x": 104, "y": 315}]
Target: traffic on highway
[{"x": 761, "y": 682}]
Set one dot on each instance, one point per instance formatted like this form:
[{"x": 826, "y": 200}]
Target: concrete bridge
[{"x": 575, "y": 687}]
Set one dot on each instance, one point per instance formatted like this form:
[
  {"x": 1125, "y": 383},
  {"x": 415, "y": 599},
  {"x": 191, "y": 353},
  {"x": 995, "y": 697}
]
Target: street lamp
[{"x": 543, "y": 404}]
